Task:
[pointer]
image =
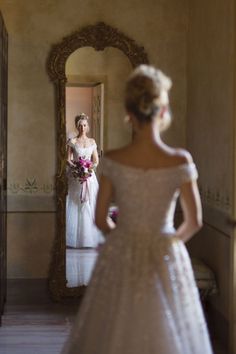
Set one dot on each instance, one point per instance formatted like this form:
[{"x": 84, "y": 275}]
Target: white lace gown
[
  {"x": 80, "y": 228},
  {"x": 142, "y": 298}
]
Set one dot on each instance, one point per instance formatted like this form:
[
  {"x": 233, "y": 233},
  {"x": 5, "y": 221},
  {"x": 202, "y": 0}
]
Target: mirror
[
  {"x": 89, "y": 69},
  {"x": 94, "y": 86}
]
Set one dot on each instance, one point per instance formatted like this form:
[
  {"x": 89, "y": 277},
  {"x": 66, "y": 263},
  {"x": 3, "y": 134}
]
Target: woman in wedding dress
[
  {"x": 81, "y": 199},
  {"x": 142, "y": 298}
]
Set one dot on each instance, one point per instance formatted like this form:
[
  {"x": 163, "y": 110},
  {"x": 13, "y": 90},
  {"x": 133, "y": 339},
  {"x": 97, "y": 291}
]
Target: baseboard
[{"x": 27, "y": 291}]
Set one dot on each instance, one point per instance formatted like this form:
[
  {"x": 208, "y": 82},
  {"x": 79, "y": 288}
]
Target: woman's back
[
  {"x": 146, "y": 154},
  {"x": 146, "y": 196}
]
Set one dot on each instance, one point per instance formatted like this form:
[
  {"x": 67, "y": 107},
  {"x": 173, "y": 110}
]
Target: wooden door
[
  {"x": 3, "y": 160},
  {"x": 98, "y": 116}
]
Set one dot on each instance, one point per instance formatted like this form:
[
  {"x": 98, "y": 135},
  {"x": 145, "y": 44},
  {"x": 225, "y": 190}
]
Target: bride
[
  {"x": 142, "y": 298},
  {"x": 82, "y": 193}
]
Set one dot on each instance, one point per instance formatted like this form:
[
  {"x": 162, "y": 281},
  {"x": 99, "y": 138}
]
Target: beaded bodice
[
  {"x": 147, "y": 198},
  {"x": 79, "y": 151}
]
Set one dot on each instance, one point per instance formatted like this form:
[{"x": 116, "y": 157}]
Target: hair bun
[
  {"x": 143, "y": 95},
  {"x": 82, "y": 116},
  {"x": 79, "y": 117}
]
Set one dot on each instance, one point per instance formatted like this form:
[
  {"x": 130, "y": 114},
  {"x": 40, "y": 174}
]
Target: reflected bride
[
  {"x": 82, "y": 160},
  {"x": 78, "y": 67}
]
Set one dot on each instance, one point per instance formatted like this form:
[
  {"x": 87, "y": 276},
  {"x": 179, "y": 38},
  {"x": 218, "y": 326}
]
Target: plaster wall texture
[
  {"x": 209, "y": 131},
  {"x": 30, "y": 238},
  {"x": 210, "y": 108},
  {"x": 33, "y": 27}
]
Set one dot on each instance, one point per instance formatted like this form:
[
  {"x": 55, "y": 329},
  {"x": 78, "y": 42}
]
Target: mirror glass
[{"x": 95, "y": 86}]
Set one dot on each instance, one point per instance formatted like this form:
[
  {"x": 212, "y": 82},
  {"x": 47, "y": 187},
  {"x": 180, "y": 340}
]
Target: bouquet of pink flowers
[{"x": 82, "y": 169}]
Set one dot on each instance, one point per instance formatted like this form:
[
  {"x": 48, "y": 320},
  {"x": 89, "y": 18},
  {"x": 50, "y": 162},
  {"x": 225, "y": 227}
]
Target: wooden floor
[
  {"x": 32, "y": 324},
  {"x": 34, "y": 330}
]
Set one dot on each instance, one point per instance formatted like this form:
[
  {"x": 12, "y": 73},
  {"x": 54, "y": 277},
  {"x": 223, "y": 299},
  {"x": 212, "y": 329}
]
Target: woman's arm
[
  {"x": 104, "y": 197},
  {"x": 69, "y": 156},
  {"x": 192, "y": 210},
  {"x": 95, "y": 157}
]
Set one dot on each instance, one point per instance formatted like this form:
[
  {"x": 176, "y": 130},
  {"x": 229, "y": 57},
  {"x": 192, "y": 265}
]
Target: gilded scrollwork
[{"x": 99, "y": 37}]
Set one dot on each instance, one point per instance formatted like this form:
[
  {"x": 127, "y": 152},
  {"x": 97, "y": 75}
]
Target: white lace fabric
[
  {"x": 142, "y": 298},
  {"x": 80, "y": 228}
]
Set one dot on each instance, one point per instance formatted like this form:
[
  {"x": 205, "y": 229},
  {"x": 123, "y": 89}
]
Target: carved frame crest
[{"x": 99, "y": 37}]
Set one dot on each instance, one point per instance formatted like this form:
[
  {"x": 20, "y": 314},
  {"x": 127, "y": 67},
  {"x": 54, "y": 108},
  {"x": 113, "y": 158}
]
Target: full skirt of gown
[
  {"x": 141, "y": 300},
  {"x": 80, "y": 228}
]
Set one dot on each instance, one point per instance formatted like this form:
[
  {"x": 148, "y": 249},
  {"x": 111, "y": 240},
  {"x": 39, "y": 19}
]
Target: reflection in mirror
[{"x": 95, "y": 87}]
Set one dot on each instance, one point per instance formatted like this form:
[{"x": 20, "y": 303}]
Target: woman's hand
[{"x": 111, "y": 223}]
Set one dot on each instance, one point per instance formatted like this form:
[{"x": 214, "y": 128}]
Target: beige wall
[
  {"x": 210, "y": 132},
  {"x": 29, "y": 239},
  {"x": 210, "y": 98},
  {"x": 33, "y": 27}
]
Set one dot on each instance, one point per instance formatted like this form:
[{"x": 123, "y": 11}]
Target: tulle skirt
[
  {"x": 142, "y": 299},
  {"x": 80, "y": 209}
]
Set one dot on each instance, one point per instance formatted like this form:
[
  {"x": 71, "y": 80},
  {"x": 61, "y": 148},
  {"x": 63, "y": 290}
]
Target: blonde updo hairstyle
[
  {"x": 144, "y": 94},
  {"x": 81, "y": 117}
]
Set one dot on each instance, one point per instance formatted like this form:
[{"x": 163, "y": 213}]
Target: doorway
[{"x": 89, "y": 99}]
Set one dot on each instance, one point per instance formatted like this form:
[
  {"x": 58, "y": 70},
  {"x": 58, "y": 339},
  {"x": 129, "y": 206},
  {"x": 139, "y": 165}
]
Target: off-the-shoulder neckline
[
  {"x": 84, "y": 147},
  {"x": 141, "y": 169},
  {"x": 81, "y": 147}
]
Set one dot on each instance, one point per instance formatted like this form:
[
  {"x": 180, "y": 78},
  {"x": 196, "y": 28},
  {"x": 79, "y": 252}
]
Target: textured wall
[
  {"x": 33, "y": 26},
  {"x": 210, "y": 98},
  {"x": 210, "y": 113}
]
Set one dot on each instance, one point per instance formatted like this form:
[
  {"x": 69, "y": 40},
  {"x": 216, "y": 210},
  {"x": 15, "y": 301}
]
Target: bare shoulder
[
  {"x": 182, "y": 156},
  {"x": 92, "y": 141},
  {"x": 71, "y": 141}
]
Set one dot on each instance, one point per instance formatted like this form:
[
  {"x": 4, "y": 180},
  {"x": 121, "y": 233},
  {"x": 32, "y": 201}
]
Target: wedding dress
[
  {"x": 80, "y": 228},
  {"x": 142, "y": 297}
]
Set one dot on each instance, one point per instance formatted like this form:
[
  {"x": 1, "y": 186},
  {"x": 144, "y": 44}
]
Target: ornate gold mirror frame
[{"x": 99, "y": 37}]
